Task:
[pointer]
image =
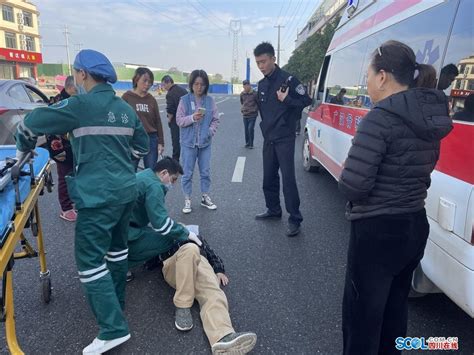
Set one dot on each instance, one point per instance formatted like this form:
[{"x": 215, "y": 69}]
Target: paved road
[{"x": 288, "y": 291}]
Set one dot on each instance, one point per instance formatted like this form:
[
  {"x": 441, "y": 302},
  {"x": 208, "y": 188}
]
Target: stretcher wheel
[
  {"x": 49, "y": 182},
  {"x": 34, "y": 229},
  {"x": 46, "y": 289}
]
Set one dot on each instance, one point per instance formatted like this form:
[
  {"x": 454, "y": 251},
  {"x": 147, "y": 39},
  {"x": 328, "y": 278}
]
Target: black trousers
[
  {"x": 281, "y": 156},
  {"x": 383, "y": 253},
  {"x": 174, "y": 128}
]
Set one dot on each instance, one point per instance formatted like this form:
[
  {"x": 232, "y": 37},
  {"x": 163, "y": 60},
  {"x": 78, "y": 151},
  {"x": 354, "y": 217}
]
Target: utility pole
[
  {"x": 278, "y": 48},
  {"x": 235, "y": 27},
  {"x": 66, "y": 35},
  {"x": 78, "y": 47}
]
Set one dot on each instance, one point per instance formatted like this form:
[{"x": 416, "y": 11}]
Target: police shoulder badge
[
  {"x": 300, "y": 89},
  {"x": 60, "y": 104}
]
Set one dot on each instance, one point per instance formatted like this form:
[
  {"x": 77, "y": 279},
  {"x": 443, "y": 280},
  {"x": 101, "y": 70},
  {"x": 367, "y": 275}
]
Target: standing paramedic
[
  {"x": 105, "y": 133},
  {"x": 280, "y": 96}
]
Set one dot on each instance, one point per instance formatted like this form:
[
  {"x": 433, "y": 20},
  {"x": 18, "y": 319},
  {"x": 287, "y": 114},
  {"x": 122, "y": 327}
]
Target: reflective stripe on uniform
[
  {"x": 113, "y": 253},
  {"x": 94, "y": 277},
  {"x": 169, "y": 228},
  {"x": 164, "y": 226},
  {"x": 25, "y": 131},
  {"x": 113, "y": 260},
  {"x": 114, "y": 256},
  {"x": 102, "y": 130},
  {"x": 92, "y": 271}
]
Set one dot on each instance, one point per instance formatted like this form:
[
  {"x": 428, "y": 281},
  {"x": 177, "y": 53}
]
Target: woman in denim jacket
[{"x": 198, "y": 119}]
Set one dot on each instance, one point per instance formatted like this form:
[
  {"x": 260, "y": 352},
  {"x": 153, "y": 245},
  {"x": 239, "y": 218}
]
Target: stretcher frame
[{"x": 26, "y": 216}]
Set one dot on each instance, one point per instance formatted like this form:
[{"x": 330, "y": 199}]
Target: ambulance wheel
[
  {"x": 309, "y": 164},
  {"x": 46, "y": 289}
]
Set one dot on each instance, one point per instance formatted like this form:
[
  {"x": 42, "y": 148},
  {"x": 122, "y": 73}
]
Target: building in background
[
  {"x": 326, "y": 11},
  {"x": 20, "y": 49}
]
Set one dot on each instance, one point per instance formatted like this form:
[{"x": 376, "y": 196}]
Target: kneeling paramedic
[
  {"x": 105, "y": 133},
  {"x": 194, "y": 272}
]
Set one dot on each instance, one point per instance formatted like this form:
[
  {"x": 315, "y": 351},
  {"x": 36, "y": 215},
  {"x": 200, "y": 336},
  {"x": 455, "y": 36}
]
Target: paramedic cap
[
  {"x": 245, "y": 82},
  {"x": 95, "y": 63}
]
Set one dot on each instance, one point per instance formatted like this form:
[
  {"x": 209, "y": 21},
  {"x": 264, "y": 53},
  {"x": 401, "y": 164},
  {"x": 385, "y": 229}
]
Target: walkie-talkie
[{"x": 284, "y": 86}]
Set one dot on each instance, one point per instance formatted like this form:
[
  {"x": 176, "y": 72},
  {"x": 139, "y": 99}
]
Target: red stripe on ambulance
[
  {"x": 384, "y": 14},
  {"x": 456, "y": 157}
]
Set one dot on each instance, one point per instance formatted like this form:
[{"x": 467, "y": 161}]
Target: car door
[{"x": 19, "y": 104}]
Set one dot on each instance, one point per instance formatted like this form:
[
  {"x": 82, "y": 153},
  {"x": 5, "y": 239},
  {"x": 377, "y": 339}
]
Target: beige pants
[{"x": 193, "y": 278}]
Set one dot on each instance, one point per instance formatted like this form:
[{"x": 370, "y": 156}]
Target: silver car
[{"x": 17, "y": 98}]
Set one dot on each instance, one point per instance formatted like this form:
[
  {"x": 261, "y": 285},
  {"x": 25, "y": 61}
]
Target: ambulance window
[
  {"x": 426, "y": 33},
  {"x": 344, "y": 74},
  {"x": 458, "y": 84}
]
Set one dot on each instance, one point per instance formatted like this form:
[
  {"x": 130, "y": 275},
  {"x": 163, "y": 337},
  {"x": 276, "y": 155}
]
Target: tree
[{"x": 305, "y": 62}]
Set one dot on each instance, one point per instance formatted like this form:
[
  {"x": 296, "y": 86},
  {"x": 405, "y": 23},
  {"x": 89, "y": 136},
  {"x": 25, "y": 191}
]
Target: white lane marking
[
  {"x": 225, "y": 99},
  {"x": 239, "y": 170}
]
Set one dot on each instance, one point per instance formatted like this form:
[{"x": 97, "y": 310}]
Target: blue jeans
[
  {"x": 249, "y": 125},
  {"x": 150, "y": 159},
  {"x": 188, "y": 161}
]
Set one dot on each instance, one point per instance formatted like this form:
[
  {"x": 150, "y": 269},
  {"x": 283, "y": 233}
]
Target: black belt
[{"x": 172, "y": 250}]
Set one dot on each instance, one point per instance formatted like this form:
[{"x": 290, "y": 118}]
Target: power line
[
  {"x": 205, "y": 15},
  {"x": 194, "y": 29},
  {"x": 211, "y": 13},
  {"x": 279, "y": 13},
  {"x": 289, "y": 34}
]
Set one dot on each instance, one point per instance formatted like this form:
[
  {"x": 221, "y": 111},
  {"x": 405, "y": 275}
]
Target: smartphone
[
  {"x": 202, "y": 110},
  {"x": 284, "y": 87}
]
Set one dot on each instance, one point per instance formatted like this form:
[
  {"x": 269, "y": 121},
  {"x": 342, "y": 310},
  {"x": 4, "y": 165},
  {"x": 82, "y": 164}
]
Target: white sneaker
[
  {"x": 207, "y": 202},
  {"x": 101, "y": 346},
  {"x": 187, "y": 206}
]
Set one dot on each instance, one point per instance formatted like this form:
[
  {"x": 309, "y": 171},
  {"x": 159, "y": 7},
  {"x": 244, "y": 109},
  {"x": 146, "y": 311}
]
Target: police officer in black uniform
[{"x": 280, "y": 97}]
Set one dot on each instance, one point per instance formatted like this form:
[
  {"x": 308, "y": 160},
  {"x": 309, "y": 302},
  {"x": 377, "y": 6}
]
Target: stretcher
[{"x": 21, "y": 184}]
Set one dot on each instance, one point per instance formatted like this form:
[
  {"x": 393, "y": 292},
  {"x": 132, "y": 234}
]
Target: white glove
[
  {"x": 20, "y": 155},
  {"x": 194, "y": 238}
]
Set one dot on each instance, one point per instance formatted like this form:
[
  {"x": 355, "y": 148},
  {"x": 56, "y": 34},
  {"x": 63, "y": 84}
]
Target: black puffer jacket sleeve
[{"x": 367, "y": 151}]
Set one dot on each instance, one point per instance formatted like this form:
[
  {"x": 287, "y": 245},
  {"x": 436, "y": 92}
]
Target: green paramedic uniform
[
  {"x": 147, "y": 241},
  {"x": 104, "y": 133}
]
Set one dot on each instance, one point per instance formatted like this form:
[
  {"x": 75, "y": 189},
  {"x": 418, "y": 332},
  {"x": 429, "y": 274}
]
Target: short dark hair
[
  {"x": 170, "y": 164},
  {"x": 139, "y": 72},
  {"x": 399, "y": 59},
  {"x": 449, "y": 69},
  {"x": 167, "y": 79},
  {"x": 264, "y": 48},
  {"x": 198, "y": 73}
]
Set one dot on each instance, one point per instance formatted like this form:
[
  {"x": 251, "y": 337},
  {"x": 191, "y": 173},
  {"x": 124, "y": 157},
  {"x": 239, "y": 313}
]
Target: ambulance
[{"x": 441, "y": 34}]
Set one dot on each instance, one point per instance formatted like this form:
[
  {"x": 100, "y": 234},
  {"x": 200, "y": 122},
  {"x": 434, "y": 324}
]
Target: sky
[{"x": 187, "y": 34}]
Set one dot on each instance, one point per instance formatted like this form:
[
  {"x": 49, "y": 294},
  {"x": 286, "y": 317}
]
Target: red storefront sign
[
  {"x": 460, "y": 93},
  {"x": 14, "y": 55}
]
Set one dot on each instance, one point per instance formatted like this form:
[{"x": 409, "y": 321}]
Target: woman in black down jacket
[{"x": 385, "y": 178}]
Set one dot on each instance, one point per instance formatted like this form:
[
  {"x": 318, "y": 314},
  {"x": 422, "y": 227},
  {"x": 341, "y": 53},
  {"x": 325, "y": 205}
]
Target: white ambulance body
[{"x": 440, "y": 33}]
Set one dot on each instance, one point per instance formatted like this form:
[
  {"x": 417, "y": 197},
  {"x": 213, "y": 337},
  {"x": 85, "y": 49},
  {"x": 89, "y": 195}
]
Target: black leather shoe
[
  {"x": 293, "y": 230},
  {"x": 268, "y": 215}
]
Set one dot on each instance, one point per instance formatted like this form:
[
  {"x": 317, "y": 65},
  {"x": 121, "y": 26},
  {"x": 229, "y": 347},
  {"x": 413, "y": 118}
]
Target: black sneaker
[
  {"x": 207, "y": 202},
  {"x": 293, "y": 230},
  {"x": 183, "y": 319},
  {"x": 268, "y": 215},
  {"x": 235, "y": 343}
]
